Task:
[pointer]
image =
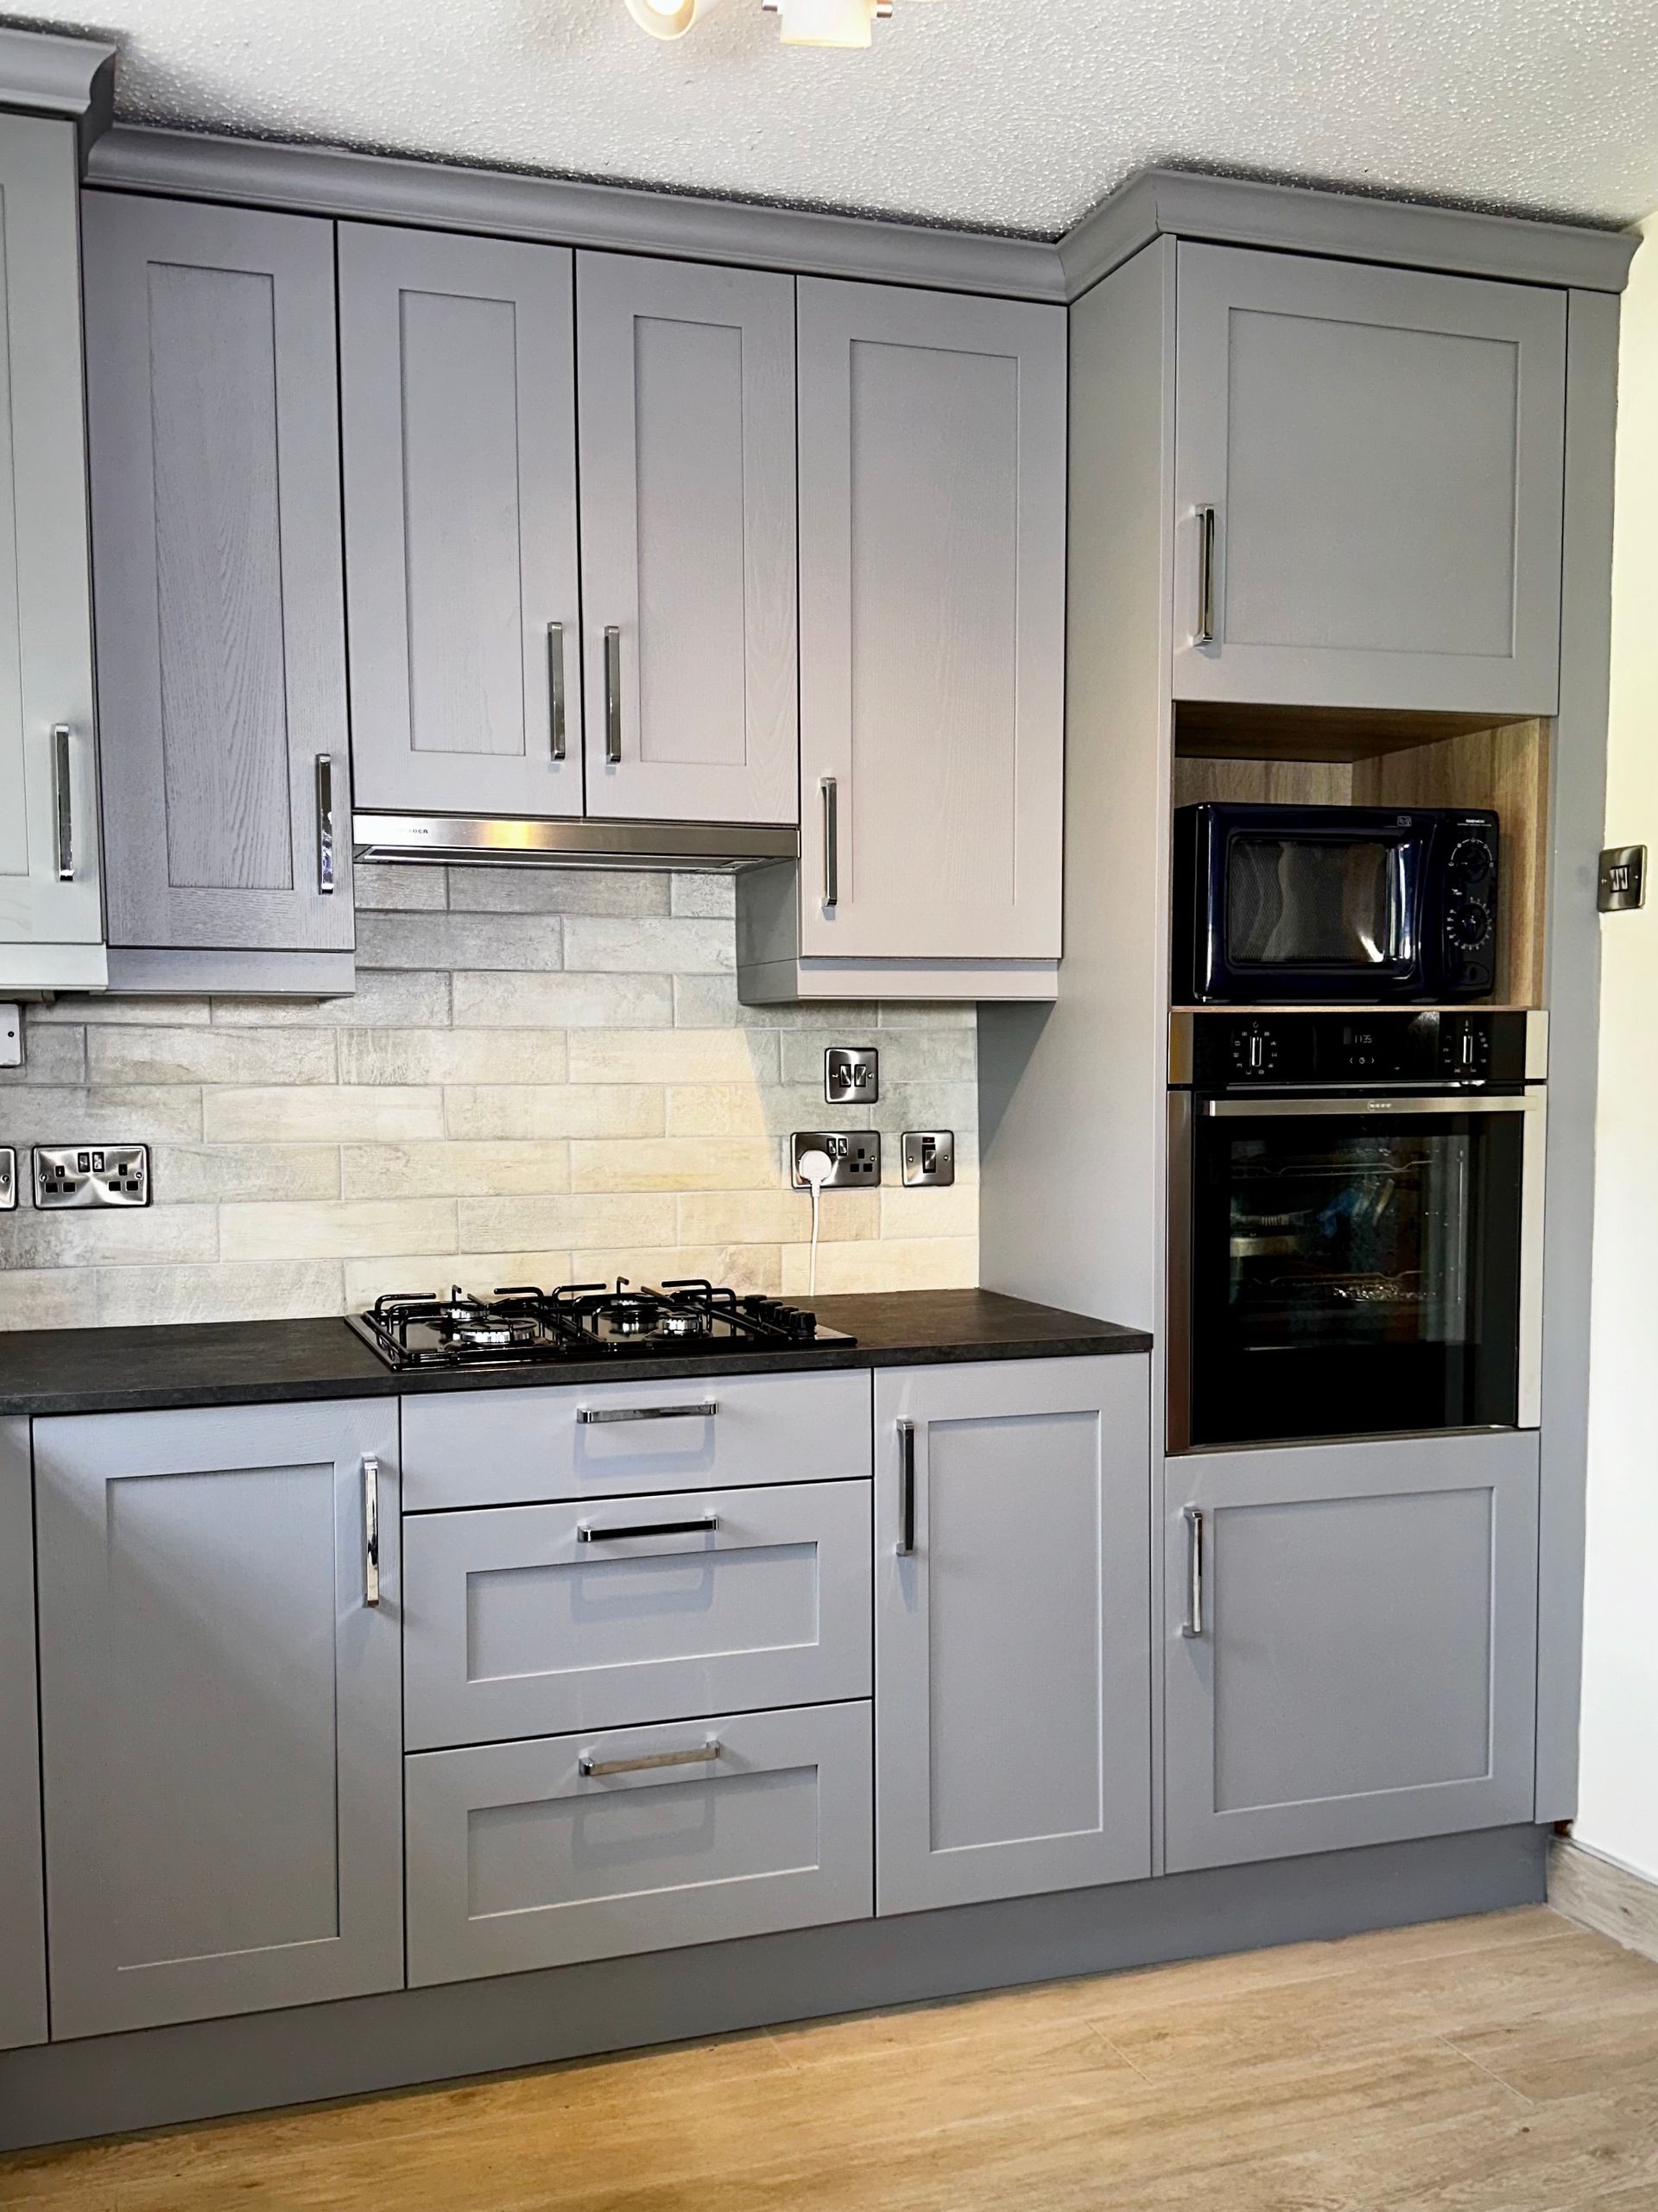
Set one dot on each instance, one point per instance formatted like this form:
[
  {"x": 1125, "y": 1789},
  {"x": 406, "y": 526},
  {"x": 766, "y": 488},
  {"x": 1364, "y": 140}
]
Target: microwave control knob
[
  {"x": 1255, "y": 1050},
  {"x": 1468, "y": 927},
  {"x": 1470, "y": 862}
]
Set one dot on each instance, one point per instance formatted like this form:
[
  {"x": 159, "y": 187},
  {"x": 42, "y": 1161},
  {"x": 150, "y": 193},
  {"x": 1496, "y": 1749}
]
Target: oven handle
[{"x": 1528, "y": 1101}]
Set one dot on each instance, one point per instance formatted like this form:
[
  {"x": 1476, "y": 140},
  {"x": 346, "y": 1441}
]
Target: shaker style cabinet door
[
  {"x": 51, "y": 906},
  {"x": 1351, "y": 1645},
  {"x": 932, "y": 486},
  {"x": 457, "y": 426},
  {"x": 212, "y": 419},
  {"x": 221, "y": 1710},
  {"x": 1012, "y": 1658},
  {"x": 23, "y": 1902},
  {"x": 1368, "y": 486},
  {"x": 687, "y": 385}
]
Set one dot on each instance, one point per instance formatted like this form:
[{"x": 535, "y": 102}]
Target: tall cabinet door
[
  {"x": 686, "y": 377},
  {"x": 932, "y": 486},
  {"x": 1012, "y": 1658},
  {"x": 221, "y": 1708},
  {"x": 1352, "y": 1644},
  {"x": 51, "y": 905},
  {"x": 212, "y": 417},
  {"x": 1368, "y": 486},
  {"x": 22, "y": 1901},
  {"x": 457, "y": 421}
]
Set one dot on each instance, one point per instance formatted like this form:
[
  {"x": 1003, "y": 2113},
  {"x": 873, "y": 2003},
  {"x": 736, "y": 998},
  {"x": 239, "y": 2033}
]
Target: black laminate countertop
[{"x": 268, "y": 1363}]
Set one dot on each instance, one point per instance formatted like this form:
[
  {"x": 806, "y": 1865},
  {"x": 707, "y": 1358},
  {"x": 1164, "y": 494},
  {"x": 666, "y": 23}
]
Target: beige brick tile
[
  {"x": 557, "y": 891},
  {"x": 522, "y": 942},
  {"x": 924, "y": 1213},
  {"x": 451, "y": 1056},
  {"x": 745, "y": 1267},
  {"x": 197, "y": 1055},
  {"x": 433, "y": 1272},
  {"x": 526, "y": 1111},
  {"x": 754, "y": 1110},
  {"x": 398, "y": 887},
  {"x": 927, "y": 1105},
  {"x": 347, "y": 1229},
  {"x": 673, "y": 1163},
  {"x": 705, "y": 892},
  {"x": 50, "y": 1114},
  {"x": 780, "y": 1217},
  {"x": 665, "y": 1055},
  {"x": 563, "y": 1002},
  {"x": 454, "y": 1169},
  {"x": 198, "y": 1173},
  {"x": 907, "y": 1057},
  {"x": 324, "y": 1114},
  {"x": 127, "y": 1295},
  {"x": 51, "y": 1055},
  {"x": 384, "y": 998},
  {"x": 929, "y": 1014},
  {"x": 111, "y": 1236},
  {"x": 147, "y": 1011},
  {"x": 711, "y": 1002},
  {"x": 927, "y": 1264},
  {"x": 47, "y": 1298},
  {"x": 555, "y": 1224},
  {"x": 649, "y": 948}
]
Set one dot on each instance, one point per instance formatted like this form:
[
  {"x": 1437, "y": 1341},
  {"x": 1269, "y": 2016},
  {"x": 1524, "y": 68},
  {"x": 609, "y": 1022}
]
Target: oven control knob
[
  {"x": 1255, "y": 1050},
  {"x": 1467, "y": 1049},
  {"x": 1468, "y": 927}
]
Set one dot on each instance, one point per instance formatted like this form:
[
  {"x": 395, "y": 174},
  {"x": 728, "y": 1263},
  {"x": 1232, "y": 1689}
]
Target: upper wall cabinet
[
  {"x": 687, "y": 385},
  {"x": 212, "y": 394},
  {"x": 1368, "y": 484},
  {"x": 51, "y": 909},
  {"x": 458, "y": 425}
]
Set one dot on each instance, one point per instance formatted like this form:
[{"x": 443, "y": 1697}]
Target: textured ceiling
[{"x": 1006, "y": 114}]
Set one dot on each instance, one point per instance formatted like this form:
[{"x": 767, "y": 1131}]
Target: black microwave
[{"x": 1344, "y": 903}]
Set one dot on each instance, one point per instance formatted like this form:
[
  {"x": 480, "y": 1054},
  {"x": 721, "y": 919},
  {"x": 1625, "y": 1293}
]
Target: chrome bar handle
[
  {"x": 1204, "y": 630},
  {"x": 63, "y": 803},
  {"x": 325, "y": 823},
  {"x": 587, "y": 1534},
  {"x": 555, "y": 689},
  {"x": 612, "y": 695},
  {"x": 371, "y": 1529},
  {"x": 1193, "y": 1625},
  {"x": 596, "y": 1768},
  {"x": 831, "y": 841},
  {"x": 906, "y": 1488},
  {"x": 594, "y": 1417}
]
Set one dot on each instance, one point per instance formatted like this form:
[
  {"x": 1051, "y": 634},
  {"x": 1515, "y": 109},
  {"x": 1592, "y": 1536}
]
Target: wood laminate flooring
[{"x": 1508, "y": 2063}]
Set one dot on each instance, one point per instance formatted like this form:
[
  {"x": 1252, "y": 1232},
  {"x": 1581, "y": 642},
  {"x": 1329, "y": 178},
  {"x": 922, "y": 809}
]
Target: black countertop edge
[{"x": 45, "y": 1371}]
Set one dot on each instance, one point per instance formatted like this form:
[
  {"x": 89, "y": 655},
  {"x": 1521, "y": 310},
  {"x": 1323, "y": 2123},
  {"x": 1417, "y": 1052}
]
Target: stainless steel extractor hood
[{"x": 460, "y": 838}]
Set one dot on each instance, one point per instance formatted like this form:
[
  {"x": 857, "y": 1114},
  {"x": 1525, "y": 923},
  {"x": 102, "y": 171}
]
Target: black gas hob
[{"x": 525, "y": 1326}]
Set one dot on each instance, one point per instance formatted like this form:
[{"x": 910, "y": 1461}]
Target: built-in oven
[{"x": 1355, "y": 1225}]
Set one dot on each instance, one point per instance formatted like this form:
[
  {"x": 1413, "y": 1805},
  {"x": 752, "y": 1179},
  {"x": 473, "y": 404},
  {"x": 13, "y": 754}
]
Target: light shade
[
  {"x": 825, "y": 22},
  {"x": 668, "y": 18}
]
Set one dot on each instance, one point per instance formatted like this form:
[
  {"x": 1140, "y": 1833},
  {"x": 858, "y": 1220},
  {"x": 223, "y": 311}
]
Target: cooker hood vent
[{"x": 458, "y": 839}]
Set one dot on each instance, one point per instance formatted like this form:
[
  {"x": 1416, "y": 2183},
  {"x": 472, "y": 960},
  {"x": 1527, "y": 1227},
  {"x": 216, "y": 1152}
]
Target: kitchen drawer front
[
  {"x": 528, "y": 1620},
  {"x": 522, "y": 1447},
  {"x": 517, "y": 1858}
]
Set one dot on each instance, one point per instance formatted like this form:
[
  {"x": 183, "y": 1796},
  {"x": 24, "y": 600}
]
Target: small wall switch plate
[
  {"x": 91, "y": 1175},
  {"x": 8, "y": 1178},
  {"x": 929, "y": 1157},
  {"x": 1623, "y": 884},
  {"x": 854, "y": 1154},
  {"x": 851, "y": 1074},
  {"x": 11, "y": 1036}
]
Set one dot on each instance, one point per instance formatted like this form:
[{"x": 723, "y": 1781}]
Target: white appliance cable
[{"x": 814, "y": 1169}]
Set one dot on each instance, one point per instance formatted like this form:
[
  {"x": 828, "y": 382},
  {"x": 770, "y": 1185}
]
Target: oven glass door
[{"x": 1355, "y": 1270}]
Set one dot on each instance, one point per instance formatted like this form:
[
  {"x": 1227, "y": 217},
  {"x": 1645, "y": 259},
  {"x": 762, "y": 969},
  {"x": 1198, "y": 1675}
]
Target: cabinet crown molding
[{"x": 49, "y": 75}]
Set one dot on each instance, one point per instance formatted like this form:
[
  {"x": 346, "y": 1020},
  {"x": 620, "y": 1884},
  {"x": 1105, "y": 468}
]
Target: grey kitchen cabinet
[
  {"x": 608, "y": 1843},
  {"x": 931, "y": 524},
  {"x": 1368, "y": 486},
  {"x": 1351, "y": 1637},
  {"x": 212, "y": 423},
  {"x": 23, "y": 1899},
  {"x": 51, "y": 899},
  {"x": 530, "y": 1621},
  {"x": 1012, "y": 1633},
  {"x": 686, "y": 383},
  {"x": 221, "y": 1710},
  {"x": 458, "y": 433}
]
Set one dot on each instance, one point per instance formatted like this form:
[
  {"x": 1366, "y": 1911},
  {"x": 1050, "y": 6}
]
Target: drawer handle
[
  {"x": 596, "y": 1769},
  {"x": 371, "y": 1529},
  {"x": 906, "y": 1543},
  {"x": 592, "y": 1417},
  {"x": 584, "y": 1534}
]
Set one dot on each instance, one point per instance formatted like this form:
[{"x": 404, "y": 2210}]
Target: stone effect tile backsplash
[{"x": 543, "y": 1077}]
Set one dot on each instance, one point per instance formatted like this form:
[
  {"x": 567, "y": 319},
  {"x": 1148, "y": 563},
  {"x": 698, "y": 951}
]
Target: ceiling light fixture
[
  {"x": 844, "y": 23},
  {"x": 668, "y": 18}
]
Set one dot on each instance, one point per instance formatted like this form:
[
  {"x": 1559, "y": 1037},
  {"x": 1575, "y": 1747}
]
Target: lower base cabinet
[
  {"x": 595, "y": 1846},
  {"x": 221, "y": 1710},
  {"x": 23, "y": 1921},
  {"x": 1352, "y": 1644},
  {"x": 1013, "y": 1750}
]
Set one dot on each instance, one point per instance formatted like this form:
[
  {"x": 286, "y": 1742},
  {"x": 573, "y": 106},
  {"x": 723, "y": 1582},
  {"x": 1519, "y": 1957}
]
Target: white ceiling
[{"x": 1006, "y": 114}]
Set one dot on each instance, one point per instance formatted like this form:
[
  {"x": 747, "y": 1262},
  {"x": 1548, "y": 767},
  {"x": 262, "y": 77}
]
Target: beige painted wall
[
  {"x": 544, "y": 1076},
  {"x": 1618, "y": 1800}
]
